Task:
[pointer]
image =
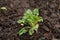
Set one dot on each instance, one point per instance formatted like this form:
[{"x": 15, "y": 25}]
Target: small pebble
[{"x": 22, "y": 24}]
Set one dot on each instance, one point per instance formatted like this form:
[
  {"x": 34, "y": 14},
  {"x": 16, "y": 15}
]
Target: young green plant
[
  {"x": 3, "y": 8},
  {"x": 31, "y": 18}
]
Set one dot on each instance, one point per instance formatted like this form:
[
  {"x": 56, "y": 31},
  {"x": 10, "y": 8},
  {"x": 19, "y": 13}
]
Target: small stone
[
  {"x": 42, "y": 38},
  {"x": 22, "y": 24},
  {"x": 46, "y": 28},
  {"x": 57, "y": 25},
  {"x": 0, "y": 28},
  {"x": 59, "y": 6}
]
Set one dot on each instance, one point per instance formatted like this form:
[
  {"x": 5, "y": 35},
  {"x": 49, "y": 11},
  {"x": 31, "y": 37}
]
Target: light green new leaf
[
  {"x": 22, "y": 31},
  {"x": 28, "y": 12},
  {"x": 36, "y": 27},
  {"x": 3, "y": 8},
  {"x": 40, "y": 19},
  {"x": 21, "y": 21},
  {"x": 36, "y": 11},
  {"x": 31, "y": 31}
]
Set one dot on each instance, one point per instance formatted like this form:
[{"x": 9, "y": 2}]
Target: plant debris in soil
[{"x": 48, "y": 9}]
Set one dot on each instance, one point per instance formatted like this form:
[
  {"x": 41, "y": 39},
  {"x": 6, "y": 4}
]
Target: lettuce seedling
[{"x": 31, "y": 18}]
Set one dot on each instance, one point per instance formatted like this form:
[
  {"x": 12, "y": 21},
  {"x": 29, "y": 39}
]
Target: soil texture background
[{"x": 48, "y": 9}]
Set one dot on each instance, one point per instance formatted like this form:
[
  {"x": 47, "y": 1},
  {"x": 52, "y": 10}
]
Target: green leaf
[
  {"x": 36, "y": 27},
  {"x": 36, "y": 11},
  {"x": 31, "y": 31},
  {"x": 40, "y": 19},
  {"x": 21, "y": 21},
  {"x": 28, "y": 12},
  {"x": 22, "y": 31}
]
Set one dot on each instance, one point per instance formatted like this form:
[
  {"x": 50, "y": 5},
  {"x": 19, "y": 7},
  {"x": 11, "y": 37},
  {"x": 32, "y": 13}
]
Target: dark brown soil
[{"x": 48, "y": 30}]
